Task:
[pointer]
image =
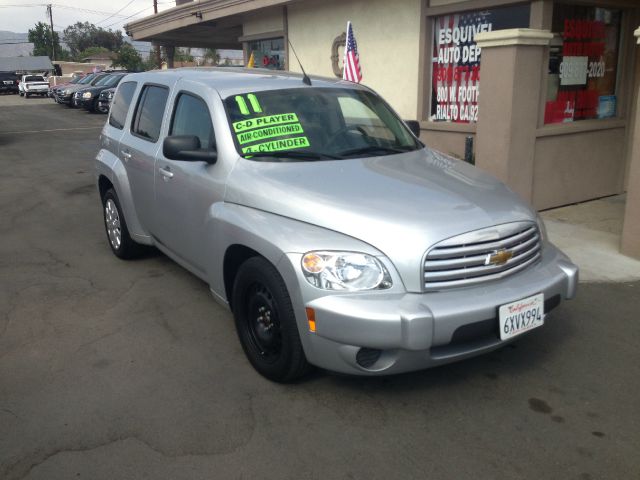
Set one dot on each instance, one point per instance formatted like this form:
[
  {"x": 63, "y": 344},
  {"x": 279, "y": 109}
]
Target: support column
[
  {"x": 171, "y": 51},
  {"x": 509, "y": 102},
  {"x": 630, "y": 244}
]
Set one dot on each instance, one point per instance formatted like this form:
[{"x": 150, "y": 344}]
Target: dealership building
[{"x": 543, "y": 94}]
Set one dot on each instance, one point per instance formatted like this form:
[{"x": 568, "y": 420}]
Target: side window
[
  {"x": 120, "y": 104},
  {"x": 191, "y": 117},
  {"x": 148, "y": 117}
]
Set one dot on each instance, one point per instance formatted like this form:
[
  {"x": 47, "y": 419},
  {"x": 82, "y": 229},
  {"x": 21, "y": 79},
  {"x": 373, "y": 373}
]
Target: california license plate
[{"x": 521, "y": 316}]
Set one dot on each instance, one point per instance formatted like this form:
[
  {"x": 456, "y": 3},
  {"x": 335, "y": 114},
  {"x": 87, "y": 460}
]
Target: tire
[
  {"x": 121, "y": 243},
  {"x": 26, "y": 95},
  {"x": 265, "y": 322}
]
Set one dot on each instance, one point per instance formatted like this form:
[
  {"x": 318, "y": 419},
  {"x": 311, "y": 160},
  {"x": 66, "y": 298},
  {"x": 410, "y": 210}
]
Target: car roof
[{"x": 229, "y": 80}]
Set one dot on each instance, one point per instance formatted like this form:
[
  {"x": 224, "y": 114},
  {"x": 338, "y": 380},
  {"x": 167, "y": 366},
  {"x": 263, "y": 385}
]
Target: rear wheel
[
  {"x": 121, "y": 243},
  {"x": 266, "y": 323}
]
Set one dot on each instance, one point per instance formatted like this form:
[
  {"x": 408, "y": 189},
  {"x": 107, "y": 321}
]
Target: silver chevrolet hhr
[{"x": 313, "y": 212}]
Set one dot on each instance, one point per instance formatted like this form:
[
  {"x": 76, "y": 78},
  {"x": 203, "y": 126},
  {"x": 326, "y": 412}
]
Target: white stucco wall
[{"x": 388, "y": 36}]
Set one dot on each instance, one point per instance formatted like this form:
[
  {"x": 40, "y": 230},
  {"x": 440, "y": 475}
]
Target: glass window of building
[
  {"x": 583, "y": 64},
  {"x": 455, "y": 78},
  {"x": 267, "y": 53}
]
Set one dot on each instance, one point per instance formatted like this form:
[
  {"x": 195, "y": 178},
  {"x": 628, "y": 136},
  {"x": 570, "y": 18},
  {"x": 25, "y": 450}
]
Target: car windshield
[
  {"x": 111, "y": 81},
  {"x": 315, "y": 124},
  {"x": 86, "y": 79},
  {"x": 102, "y": 80},
  {"x": 34, "y": 78}
]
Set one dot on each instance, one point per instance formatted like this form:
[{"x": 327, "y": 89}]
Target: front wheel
[
  {"x": 121, "y": 243},
  {"x": 266, "y": 323}
]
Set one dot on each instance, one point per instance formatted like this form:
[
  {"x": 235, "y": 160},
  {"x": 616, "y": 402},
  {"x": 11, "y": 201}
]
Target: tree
[
  {"x": 183, "y": 55},
  {"x": 129, "y": 58},
  {"x": 91, "y": 52},
  {"x": 40, "y": 36},
  {"x": 211, "y": 55},
  {"x": 83, "y": 35}
]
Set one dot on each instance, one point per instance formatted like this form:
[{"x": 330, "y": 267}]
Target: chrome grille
[{"x": 465, "y": 259}]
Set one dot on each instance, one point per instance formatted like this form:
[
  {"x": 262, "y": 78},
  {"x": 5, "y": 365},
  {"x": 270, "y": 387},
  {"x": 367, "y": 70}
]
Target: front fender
[
  {"x": 110, "y": 166},
  {"x": 272, "y": 236}
]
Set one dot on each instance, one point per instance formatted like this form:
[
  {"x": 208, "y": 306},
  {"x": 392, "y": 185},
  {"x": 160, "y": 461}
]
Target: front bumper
[
  {"x": 86, "y": 103},
  {"x": 62, "y": 98},
  {"x": 413, "y": 331}
]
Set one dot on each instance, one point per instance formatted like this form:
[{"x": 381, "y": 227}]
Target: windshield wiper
[
  {"x": 294, "y": 154},
  {"x": 374, "y": 149}
]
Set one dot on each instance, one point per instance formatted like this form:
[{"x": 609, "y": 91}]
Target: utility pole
[
  {"x": 158, "y": 58},
  {"x": 53, "y": 40}
]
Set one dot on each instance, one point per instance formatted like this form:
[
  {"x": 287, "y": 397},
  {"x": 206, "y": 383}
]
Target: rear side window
[
  {"x": 120, "y": 104},
  {"x": 191, "y": 117},
  {"x": 148, "y": 117}
]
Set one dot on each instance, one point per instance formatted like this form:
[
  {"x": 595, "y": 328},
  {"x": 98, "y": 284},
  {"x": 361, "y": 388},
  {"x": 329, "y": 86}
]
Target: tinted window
[
  {"x": 97, "y": 79},
  {"x": 148, "y": 118},
  {"x": 104, "y": 80},
  {"x": 34, "y": 78},
  {"x": 87, "y": 79},
  {"x": 120, "y": 104},
  {"x": 113, "y": 81},
  {"x": 191, "y": 117}
]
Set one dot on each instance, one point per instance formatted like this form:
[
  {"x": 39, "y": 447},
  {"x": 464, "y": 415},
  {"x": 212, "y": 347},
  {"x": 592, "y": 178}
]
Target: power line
[
  {"x": 126, "y": 18},
  {"x": 114, "y": 14}
]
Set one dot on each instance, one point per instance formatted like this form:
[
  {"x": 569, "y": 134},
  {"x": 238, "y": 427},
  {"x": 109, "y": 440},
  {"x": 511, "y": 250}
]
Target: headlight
[
  {"x": 86, "y": 95},
  {"x": 542, "y": 229},
  {"x": 345, "y": 271}
]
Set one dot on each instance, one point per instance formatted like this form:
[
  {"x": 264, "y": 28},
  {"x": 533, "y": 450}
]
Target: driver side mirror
[
  {"x": 414, "y": 126},
  {"x": 187, "y": 148}
]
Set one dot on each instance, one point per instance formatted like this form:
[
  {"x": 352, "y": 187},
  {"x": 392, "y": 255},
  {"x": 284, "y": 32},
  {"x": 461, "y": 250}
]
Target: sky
[{"x": 21, "y": 15}]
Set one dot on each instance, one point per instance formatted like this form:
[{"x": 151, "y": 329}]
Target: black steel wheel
[{"x": 266, "y": 323}]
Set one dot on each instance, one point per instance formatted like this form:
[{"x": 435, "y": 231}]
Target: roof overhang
[{"x": 200, "y": 23}]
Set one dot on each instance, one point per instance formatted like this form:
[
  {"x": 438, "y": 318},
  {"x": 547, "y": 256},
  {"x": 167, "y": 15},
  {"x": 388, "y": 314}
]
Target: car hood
[{"x": 400, "y": 204}]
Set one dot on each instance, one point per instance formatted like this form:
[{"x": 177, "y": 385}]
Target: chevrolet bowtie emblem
[{"x": 499, "y": 257}]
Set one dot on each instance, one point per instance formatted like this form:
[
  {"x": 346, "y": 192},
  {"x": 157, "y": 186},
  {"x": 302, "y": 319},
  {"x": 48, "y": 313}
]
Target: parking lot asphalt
[{"x": 130, "y": 370}]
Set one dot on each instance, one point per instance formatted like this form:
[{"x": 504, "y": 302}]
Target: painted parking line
[{"x": 52, "y": 130}]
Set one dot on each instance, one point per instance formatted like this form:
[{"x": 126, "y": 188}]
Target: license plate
[{"x": 521, "y": 316}]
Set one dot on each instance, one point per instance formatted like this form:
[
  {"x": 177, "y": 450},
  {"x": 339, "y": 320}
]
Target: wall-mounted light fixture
[{"x": 197, "y": 14}]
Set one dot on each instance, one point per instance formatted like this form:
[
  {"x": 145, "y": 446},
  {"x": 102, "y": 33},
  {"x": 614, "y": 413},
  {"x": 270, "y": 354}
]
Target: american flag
[{"x": 352, "y": 71}]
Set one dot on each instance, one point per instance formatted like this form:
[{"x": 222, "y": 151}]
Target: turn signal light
[{"x": 311, "y": 319}]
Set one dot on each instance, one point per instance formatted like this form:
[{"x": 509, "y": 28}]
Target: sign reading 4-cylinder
[{"x": 521, "y": 316}]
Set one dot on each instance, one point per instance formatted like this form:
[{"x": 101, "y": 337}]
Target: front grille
[{"x": 464, "y": 260}]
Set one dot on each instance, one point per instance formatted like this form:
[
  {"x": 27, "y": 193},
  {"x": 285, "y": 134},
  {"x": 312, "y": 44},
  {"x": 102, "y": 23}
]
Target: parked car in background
[
  {"x": 72, "y": 81},
  {"x": 318, "y": 217},
  {"x": 33, "y": 85},
  {"x": 88, "y": 97},
  {"x": 105, "y": 99},
  {"x": 64, "y": 94},
  {"x": 8, "y": 82}
]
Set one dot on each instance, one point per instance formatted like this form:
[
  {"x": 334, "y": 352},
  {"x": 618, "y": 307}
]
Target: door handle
[
  {"x": 126, "y": 155},
  {"x": 166, "y": 173}
]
